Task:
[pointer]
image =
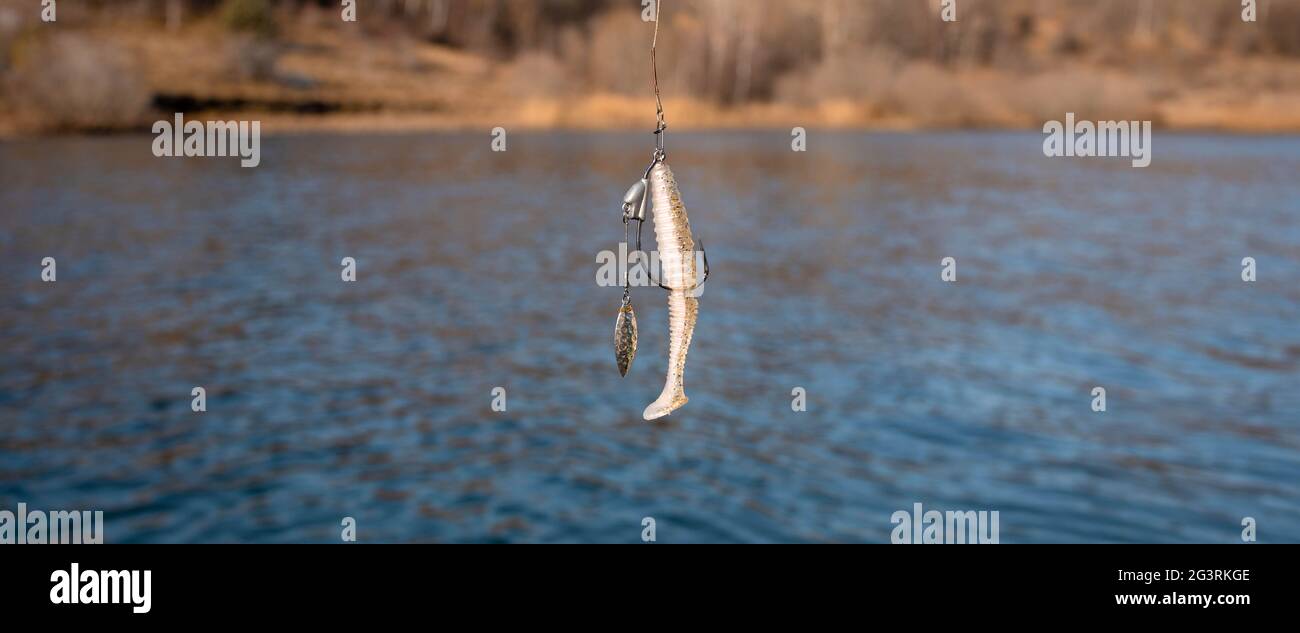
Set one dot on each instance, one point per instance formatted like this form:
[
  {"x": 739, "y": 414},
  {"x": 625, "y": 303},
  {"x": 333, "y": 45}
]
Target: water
[{"x": 477, "y": 269}]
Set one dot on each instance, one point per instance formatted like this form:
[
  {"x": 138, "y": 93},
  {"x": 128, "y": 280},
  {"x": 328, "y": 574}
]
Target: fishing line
[{"x": 662, "y": 123}]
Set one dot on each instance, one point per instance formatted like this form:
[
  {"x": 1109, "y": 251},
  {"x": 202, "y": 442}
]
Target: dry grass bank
[{"x": 313, "y": 73}]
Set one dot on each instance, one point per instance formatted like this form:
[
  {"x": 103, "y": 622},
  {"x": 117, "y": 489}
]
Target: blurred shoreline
[
  {"x": 759, "y": 120},
  {"x": 297, "y": 68}
]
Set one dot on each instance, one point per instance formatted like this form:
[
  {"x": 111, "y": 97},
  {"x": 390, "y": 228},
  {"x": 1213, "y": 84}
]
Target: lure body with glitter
[{"x": 678, "y": 275}]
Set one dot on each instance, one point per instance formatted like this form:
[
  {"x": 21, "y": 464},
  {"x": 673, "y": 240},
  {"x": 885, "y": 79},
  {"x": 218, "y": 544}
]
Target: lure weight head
[{"x": 635, "y": 201}]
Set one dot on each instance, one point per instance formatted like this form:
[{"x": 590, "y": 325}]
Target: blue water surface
[{"x": 477, "y": 269}]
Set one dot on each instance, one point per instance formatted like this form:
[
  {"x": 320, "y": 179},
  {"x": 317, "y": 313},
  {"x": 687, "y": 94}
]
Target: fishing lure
[{"x": 657, "y": 193}]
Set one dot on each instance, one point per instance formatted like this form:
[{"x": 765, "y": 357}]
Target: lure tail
[{"x": 682, "y": 312}]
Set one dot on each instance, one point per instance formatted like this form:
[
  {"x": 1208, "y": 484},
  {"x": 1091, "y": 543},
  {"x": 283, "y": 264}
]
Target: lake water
[{"x": 477, "y": 269}]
